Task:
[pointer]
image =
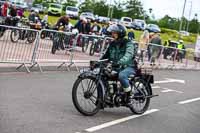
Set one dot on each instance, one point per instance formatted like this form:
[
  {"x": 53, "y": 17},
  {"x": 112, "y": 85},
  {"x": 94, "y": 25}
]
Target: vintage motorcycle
[{"x": 98, "y": 88}]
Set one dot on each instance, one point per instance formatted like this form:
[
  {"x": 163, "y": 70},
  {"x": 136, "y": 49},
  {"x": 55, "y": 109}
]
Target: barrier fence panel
[
  {"x": 168, "y": 57},
  {"x": 193, "y": 59},
  {"x": 54, "y": 47},
  {"x": 17, "y": 45},
  {"x": 89, "y": 47}
]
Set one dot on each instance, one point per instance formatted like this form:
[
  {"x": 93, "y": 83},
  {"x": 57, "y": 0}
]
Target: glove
[{"x": 116, "y": 64}]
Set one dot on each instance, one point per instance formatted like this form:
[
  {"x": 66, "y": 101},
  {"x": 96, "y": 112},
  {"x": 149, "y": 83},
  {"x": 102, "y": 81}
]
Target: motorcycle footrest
[{"x": 150, "y": 96}]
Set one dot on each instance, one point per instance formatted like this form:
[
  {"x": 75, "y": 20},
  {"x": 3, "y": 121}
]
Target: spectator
[
  {"x": 181, "y": 51},
  {"x": 20, "y": 13},
  {"x": 78, "y": 24},
  {"x": 62, "y": 21},
  {"x": 155, "y": 49},
  {"x": 95, "y": 28},
  {"x": 104, "y": 30},
  {"x": 37, "y": 17},
  {"x": 32, "y": 16},
  {"x": 131, "y": 35},
  {"x": 4, "y": 9},
  {"x": 84, "y": 27},
  {"x": 13, "y": 11},
  {"x": 143, "y": 43}
]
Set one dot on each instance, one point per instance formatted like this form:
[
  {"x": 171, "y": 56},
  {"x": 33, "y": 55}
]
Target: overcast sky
[{"x": 173, "y": 8}]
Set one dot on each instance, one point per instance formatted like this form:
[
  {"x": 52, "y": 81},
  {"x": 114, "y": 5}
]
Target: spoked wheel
[
  {"x": 85, "y": 45},
  {"x": 2, "y": 30},
  {"x": 92, "y": 49},
  {"x": 140, "y": 101},
  {"x": 43, "y": 35},
  {"x": 85, "y": 96},
  {"x": 31, "y": 36},
  {"x": 15, "y": 35}
]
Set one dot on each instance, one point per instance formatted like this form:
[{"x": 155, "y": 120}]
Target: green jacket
[{"x": 121, "y": 52}]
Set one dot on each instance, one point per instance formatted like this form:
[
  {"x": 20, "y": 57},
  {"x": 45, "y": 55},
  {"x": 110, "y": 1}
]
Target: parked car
[
  {"x": 184, "y": 33},
  {"x": 114, "y": 21},
  {"x": 102, "y": 19},
  {"x": 19, "y": 4},
  {"x": 153, "y": 28},
  {"x": 126, "y": 21},
  {"x": 55, "y": 9},
  {"x": 72, "y": 11},
  {"x": 87, "y": 15},
  {"x": 139, "y": 24},
  {"x": 38, "y": 7}
]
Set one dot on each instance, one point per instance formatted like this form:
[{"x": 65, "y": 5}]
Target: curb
[{"x": 74, "y": 68}]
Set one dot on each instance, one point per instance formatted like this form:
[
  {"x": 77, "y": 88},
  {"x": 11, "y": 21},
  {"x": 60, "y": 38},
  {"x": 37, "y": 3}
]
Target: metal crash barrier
[
  {"x": 17, "y": 45},
  {"x": 30, "y": 48},
  {"x": 54, "y": 47}
]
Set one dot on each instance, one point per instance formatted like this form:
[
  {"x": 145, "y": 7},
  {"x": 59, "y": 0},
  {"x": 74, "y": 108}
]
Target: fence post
[{"x": 33, "y": 60}]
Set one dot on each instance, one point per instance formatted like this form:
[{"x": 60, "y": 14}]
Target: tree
[
  {"x": 134, "y": 9},
  {"x": 118, "y": 11},
  {"x": 70, "y": 3},
  {"x": 87, "y": 5},
  {"x": 194, "y": 26}
]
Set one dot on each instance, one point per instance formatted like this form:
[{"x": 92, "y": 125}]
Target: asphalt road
[{"x": 41, "y": 103}]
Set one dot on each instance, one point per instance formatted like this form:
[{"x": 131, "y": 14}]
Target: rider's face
[{"x": 115, "y": 35}]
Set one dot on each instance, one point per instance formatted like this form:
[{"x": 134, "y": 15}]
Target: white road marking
[
  {"x": 156, "y": 87},
  {"x": 169, "y": 80},
  {"x": 176, "y": 80},
  {"x": 170, "y": 90},
  {"x": 189, "y": 101},
  {"x": 108, "y": 124}
]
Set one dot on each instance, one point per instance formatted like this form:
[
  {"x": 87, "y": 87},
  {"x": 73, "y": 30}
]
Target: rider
[{"x": 121, "y": 53}]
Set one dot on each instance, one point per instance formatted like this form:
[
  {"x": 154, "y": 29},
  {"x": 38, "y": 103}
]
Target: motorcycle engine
[{"x": 118, "y": 99}]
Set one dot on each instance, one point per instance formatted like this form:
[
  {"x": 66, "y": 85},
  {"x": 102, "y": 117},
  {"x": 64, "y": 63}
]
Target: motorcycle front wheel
[{"x": 85, "y": 96}]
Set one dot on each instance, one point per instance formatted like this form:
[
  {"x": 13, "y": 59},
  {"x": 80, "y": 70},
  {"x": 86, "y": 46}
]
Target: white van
[
  {"x": 126, "y": 21},
  {"x": 72, "y": 11}
]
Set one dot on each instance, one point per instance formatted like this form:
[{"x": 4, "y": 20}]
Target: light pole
[
  {"x": 189, "y": 17},
  {"x": 181, "y": 24}
]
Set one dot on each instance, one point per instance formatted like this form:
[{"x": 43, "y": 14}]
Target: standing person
[
  {"x": 143, "y": 44},
  {"x": 180, "y": 53},
  {"x": 84, "y": 27},
  {"x": 20, "y": 13},
  {"x": 13, "y": 11},
  {"x": 156, "y": 43},
  {"x": 62, "y": 21},
  {"x": 131, "y": 35},
  {"x": 95, "y": 28},
  {"x": 103, "y": 30},
  {"x": 32, "y": 16},
  {"x": 4, "y": 9}
]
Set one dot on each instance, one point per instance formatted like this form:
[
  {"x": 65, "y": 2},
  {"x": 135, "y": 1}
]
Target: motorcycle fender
[{"x": 149, "y": 78}]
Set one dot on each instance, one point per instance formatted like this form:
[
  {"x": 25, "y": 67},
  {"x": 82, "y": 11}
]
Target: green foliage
[{"x": 134, "y": 9}]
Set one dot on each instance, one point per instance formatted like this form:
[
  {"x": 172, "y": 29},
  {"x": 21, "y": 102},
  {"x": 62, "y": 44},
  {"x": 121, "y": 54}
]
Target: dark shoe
[{"x": 128, "y": 98}]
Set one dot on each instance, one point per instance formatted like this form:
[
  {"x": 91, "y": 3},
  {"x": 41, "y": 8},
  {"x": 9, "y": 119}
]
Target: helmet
[{"x": 120, "y": 29}]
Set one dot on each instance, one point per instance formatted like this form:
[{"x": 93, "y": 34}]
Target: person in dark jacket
[
  {"x": 62, "y": 21},
  {"x": 84, "y": 27},
  {"x": 155, "y": 47},
  {"x": 13, "y": 11},
  {"x": 131, "y": 35},
  {"x": 121, "y": 53}
]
